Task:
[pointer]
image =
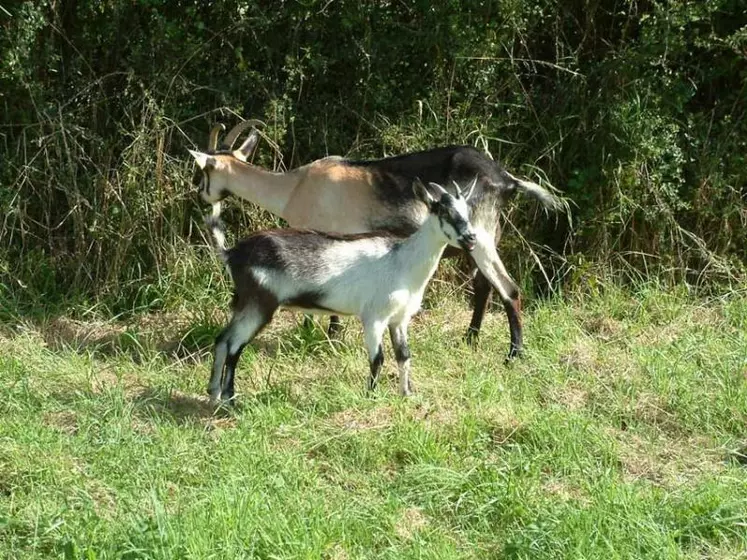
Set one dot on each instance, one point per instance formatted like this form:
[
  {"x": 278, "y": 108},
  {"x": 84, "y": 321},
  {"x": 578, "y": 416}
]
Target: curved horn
[
  {"x": 231, "y": 137},
  {"x": 214, "y": 133}
]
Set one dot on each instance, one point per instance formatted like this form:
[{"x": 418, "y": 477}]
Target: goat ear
[
  {"x": 438, "y": 188},
  {"x": 247, "y": 148},
  {"x": 422, "y": 193},
  {"x": 233, "y": 134},
  {"x": 471, "y": 189},
  {"x": 203, "y": 160}
]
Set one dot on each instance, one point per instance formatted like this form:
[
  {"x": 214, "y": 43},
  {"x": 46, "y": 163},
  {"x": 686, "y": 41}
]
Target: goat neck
[
  {"x": 267, "y": 189},
  {"x": 420, "y": 253}
]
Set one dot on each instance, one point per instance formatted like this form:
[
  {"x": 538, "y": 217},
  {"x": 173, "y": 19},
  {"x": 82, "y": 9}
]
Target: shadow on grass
[
  {"x": 177, "y": 338},
  {"x": 182, "y": 408},
  {"x": 177, "y": 406}
]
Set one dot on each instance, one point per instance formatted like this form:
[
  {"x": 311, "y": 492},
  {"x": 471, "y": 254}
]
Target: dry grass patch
[
  {"x": 167, "y": 323},
  {"x": 382, "y": 417},
  {"x": 581, "y": 355},
  {"x": 63, "y": 332},
  {"x": 666, "y": 461},
  {"x": 352, "y": 419},
  {"x": 647, "y": 407},
  {"x": 503, "y": 426},
  {"x": 106, "y": 377},
  {"x": 64, "y": 421},
  {"x": 674, "y": 329},
  {"x": 604, "y": 361},
  {"x": 569, "y": 396},
  {"x": 436, "y": 414},
  {"x": 217, "y": 424},
  {"x": 185, "y": 408},
  {"x": 164, "y": 331},
  {"x": 410, "y": 522},
  {"x": 335, "y": 552},
  {"x": 562, "y": 490},
  {"x": 603, "y": 327}
]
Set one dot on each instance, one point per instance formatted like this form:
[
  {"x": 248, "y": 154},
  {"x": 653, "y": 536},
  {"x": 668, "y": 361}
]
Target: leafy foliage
[{"x": 635, "y": 110}]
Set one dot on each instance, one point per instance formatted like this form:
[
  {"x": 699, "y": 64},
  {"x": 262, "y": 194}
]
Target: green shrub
[{"x": 637, "y": 114}]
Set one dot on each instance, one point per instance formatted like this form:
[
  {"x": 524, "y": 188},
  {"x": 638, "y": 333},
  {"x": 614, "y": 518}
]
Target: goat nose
[{"x": 469, "y": 240}]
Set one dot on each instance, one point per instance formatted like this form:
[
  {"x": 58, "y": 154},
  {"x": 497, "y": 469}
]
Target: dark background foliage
[{"x": 634, "y": 109}]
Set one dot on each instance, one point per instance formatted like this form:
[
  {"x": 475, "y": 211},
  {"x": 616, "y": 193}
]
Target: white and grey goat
[
  {"x": 348, "y": 196},
  {"x": 375, "y": 276}
]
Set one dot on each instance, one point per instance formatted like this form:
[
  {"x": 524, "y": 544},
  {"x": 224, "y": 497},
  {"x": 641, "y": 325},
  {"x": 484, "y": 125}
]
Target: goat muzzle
[{"x": 468, "y": 241}]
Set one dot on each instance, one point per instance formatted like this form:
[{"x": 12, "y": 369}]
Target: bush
[{"x": 638, "y": 115}]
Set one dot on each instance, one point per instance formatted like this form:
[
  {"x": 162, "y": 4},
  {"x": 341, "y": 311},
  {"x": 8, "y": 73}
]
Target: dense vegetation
[{"x": 634, "y": 109}]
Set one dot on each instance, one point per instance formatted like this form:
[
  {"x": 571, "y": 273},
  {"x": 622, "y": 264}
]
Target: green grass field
[{"x": 616, "y": 436}]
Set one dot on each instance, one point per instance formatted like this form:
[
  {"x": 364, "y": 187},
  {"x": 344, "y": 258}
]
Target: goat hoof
[
  {"x": 214, "y": 395},
  {"x": 407, "y": 392},
  {"x": 472, "y": 337},
  {"x": 371, "y": 388},
  {"x": 228, "y": 402},
  {"x": 334, "y": 331},
  {"x": 513, "y": 354}
]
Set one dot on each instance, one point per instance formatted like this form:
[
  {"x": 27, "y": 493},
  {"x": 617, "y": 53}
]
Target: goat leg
[{"x": 482, "y": 289}]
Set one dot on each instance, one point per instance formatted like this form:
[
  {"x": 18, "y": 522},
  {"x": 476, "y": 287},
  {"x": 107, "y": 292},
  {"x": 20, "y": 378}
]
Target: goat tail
[{"x": 545, "y": 197}]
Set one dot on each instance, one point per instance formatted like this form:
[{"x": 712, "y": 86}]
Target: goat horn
[
  {"x": 231, "y": 137},
  {"x": 471, "y": 188},
  {"x": 458, "y": 190},
  {"x": 214, "y": 133}
]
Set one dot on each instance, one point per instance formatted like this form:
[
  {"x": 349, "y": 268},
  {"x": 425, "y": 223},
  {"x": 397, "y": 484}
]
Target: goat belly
[{"x": 310, "y": 302}]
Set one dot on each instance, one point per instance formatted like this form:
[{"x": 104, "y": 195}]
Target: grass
[{"x": 615, "y": 437}]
